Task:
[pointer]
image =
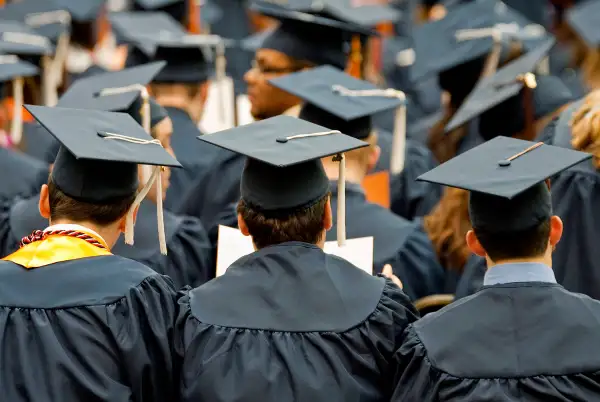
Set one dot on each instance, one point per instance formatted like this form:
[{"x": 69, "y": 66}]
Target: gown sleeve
[
  {"x": 472, "y": 276},
  {"x": 8, "y": 241},
  {"x": 142, "y": 323},
  {"x": 415, "y": 378}
]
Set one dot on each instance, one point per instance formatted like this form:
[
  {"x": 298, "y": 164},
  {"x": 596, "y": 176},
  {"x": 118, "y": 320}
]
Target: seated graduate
[
  {"x": 523, "y": 336},
  {"x": 66, "y": 300},
  {"x": 397, "y": 241},
  {"x": 182, "y": 88},
  {"x": 574, "y": 194},
  {"x": 459, "y": 64},
  {"x": 512, "y": 102},
  {"x": 289, "y": 313},
  {"x": 189, "y": 260}
]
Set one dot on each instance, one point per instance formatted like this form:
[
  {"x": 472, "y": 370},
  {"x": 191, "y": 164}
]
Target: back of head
[{"x": 585, "y": 127}]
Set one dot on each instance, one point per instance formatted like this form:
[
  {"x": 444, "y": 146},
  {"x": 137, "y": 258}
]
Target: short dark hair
[
  {"x": 303, "y": 226},
  {"x": 526, "y": 243},
  {"x": 64, "y": 207}
]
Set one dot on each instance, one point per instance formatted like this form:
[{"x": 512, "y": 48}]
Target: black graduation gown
[
  {"x": 20, "y": 175},
  {"x": 92, "y": 329},
  {"x": 396, "y": 241},
  {"x": 39, "y": 143},
  {"x": 471, "y": 279},
  {"x": 291, "y": 323},
  {"x": 189, "y": 259},
  {"x": 195, "y": 156},
  {"x": 512, "y": 342}
]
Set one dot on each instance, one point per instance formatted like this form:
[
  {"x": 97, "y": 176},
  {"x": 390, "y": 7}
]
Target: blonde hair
[
  {"x": 585, "y": 127},
  {"x": 447, "y": 226}
]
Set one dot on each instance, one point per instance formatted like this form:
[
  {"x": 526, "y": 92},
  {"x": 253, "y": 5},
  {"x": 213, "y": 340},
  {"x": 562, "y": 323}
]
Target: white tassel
[
  {"x": 129, "y": 224},
  {"x": 16, "y": 129},
  {"x": 220, "y": 66},
  {"x": 60, "y": 59},
  {"x": 341, "y": 201},
  {"x": 48, "y": 90},
  {"x": 399, "y": 138},
  {"x": 162, "y": 241}
]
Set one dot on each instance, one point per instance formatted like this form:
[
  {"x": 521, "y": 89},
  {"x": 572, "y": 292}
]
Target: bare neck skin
[{"x": 354, "y": 172}]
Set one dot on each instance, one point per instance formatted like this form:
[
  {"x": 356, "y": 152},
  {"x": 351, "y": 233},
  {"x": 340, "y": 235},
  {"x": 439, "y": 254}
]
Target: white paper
[
  {"x": 218, "y": 110},
  {"x": 233, "y": 245}
]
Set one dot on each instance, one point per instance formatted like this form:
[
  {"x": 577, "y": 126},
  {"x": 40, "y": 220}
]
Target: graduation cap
[
  {"x": 210, "y": 12},
  {"x": 81, "y": 10},
  {"x": 582, "y": 17},
  {"x": 15, "y": 69},
  {"x": 304, "y": 36},
  {"x": 130, "y": 27},
  {"x": 45, "y": 16},
  {"x": 115, "y": 91},
  {"x": 284, "y": 173},
  {"x": 502, "y": 97},
  {"x": 99, "y": 157},
  {"x": 336, "y": 100},
  {"x": 468, "y": 32},
  {"x": 366, "y": 13},
  {"x": 506, "y": 179}
]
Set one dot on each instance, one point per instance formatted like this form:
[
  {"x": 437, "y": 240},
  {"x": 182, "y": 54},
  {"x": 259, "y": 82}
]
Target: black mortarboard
[
  {"x": 178, "y": 9},
  {"x": 81, "y": 10},
  {"x": 341, "y": 102},
  {"x": 326, "y": 106},
  {"x": 17, "y": 38},
  {"x": 368, "y": 14},
  {"x": 99, "y": 157},
  {"x": 45, "y": 16},
  {"x": 506, "y": 179},
  {"x": 582, "y": 17},
  {"x": 505, "y": 88},
  {"x": 307, "y": 37},
  {"x": 284, "y": 173},
  {"x": 189, "y": 58},
  {"x": 129, "y": 27},
  {"x": 454, "y": 40},
  {"x": 87, "y": 93}
]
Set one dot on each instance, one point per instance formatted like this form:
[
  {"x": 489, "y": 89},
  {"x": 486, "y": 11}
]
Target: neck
[
  {"x": 354, "y": 173},
  {"x": 180, "y": 102},
  {"x": 545, "y": 259},
  {"x": 109, "y": 234}
]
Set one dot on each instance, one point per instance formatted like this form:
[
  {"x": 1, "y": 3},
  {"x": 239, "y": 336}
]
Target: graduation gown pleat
[
  {"x": 90, "y": 329},
  {"x": 189, "y": 259},
  {"x": 291, "y": 323},
  {"x": 396, "y": 241},
  {"x": 513, "y": 342}
]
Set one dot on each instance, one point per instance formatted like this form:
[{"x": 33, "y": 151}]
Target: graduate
[
  {"x": 574, "y": 198},
  {"x": 182, "y": 88},
  {"x": 189, "y": 260},
  {"x": 289, "y": 313},
  {"x": 458, "y": 53},
  {"x": 523, "y": 336},
  {"x": 67, "y": 301}
]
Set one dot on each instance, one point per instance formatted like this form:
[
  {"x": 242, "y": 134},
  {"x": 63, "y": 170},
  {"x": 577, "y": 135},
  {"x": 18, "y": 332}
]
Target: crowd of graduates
[{"x": 264, "y": 200}]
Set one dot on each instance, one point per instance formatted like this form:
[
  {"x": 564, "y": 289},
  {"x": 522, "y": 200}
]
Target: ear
[
  {"x": 374, "y": 156},
  {"x": 556, "y": 230},
  {"x": 328, "y": 216},
  {"x": 242, "y": 226},
  {"x": 44, "y": 203},
  {"x": 474, "y": 245},
  {"x": 123, "y": 221}
]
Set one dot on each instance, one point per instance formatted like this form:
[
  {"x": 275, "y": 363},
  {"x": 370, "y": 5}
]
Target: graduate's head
[
  {"x": 510, "y": 206},
  {"x": 582, "y": 119},
  {"x": 284, "y": 188},
  {"x": 301, "y": 41},
  {"x": 585, "y": 42},
  {"x": 94, "y": 180}
]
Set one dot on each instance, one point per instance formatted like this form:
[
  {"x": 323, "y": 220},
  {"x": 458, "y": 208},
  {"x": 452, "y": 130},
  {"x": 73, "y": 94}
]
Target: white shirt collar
[{"x": 72, "y": 226}]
